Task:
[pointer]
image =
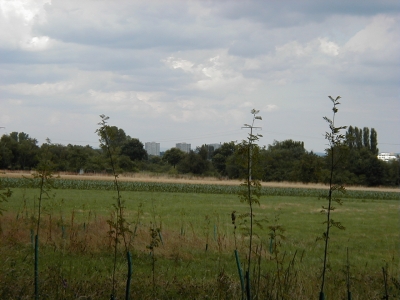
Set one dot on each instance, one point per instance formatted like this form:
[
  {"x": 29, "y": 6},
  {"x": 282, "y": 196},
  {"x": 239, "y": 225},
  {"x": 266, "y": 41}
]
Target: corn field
[{"x": 190, "y": 188}]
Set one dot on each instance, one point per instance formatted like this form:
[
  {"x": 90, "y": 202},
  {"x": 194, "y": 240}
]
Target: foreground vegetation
[
  {"x": 189, "y": 241},
  {"x": 194, "y": 257}
]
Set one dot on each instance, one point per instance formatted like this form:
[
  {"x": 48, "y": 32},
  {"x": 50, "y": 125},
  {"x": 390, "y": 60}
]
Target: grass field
[{"x": 195, "y": 259}]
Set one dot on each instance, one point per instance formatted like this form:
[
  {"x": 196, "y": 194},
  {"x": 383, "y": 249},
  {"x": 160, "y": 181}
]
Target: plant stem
[
  {"x": 43, "y": 175},
  {"x": 329, "y": 209},
  {"x": 40, "y": 203},
  {"x": 36, "y": 267},
  {"x": 333, "y": 142},
  {"x": 249, "y": 162}
]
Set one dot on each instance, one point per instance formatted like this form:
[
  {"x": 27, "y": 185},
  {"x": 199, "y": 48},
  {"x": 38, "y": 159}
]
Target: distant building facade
[
  {"x": 184, "y": 147},
  {"x": 152, "y": 148},
  {"x": 387, "y": 156}
]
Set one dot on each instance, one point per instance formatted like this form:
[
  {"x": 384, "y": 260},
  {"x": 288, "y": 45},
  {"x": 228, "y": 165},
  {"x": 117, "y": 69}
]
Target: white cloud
[
  {"x": 247, "y": 104},
  {"x": 220, "y": 73},
  {"x": 201, "y": 114},
  {"x": 183, "y": 64},
  {"x": 55, "y": 118},
  {"x": 328, "y": 47},
  {"x": 293, "y": 49},
  {"x": 382, "y": 34},
  {"x": 35, "y": 43},
  {"x": 270, "y": 107},
  {"x": 131, "y": 102},
  {"x": 15, "y": 102},
  {"x": 5, "y": 112},
  {"x": 17, "y": 19},
  {"x": 42, "y": 89}
]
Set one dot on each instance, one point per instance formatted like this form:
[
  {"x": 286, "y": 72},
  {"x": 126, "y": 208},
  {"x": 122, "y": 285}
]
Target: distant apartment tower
[
  {"x": 152, "y": 148},
  {"x": 184, "y": 147}
]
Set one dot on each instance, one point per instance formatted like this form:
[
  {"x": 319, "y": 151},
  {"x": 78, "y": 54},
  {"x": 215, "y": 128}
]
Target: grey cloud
[
  {"x": 166, "y": 26},
  {"x": 355, "y": 8},
  {"x": 107, "y": 58},
  {"x": 294, "y": 13}
]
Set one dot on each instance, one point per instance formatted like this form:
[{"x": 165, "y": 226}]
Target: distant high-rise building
[
  {"x": 184, "y": 147},
  {"x": 152, "y": 148}
]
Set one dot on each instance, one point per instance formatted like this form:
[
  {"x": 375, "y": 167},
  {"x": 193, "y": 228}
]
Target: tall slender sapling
[
  {"x": 335, "y": 154},
  {"x": 251, "y": 193},
  {"x": 120, "y": 227},
  {"x": 44, "y": 174}
]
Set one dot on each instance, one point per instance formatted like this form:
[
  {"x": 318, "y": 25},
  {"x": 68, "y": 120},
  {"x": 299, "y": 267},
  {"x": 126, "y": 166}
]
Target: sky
[{"x": 191, "y": 71}]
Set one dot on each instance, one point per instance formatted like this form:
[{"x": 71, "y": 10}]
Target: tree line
[{"x": 286, "y": 160}]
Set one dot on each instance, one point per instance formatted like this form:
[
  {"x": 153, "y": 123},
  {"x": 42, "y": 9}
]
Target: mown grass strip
[{"x": 190, "y": 188}]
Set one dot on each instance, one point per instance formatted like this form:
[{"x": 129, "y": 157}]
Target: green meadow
[{"x": 195, "y": 256}]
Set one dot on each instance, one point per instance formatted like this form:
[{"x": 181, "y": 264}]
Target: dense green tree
[
  {"x": 134, "y": 149},
  {"x": 154, "y": 159},
  {"x": 350, "y": 137},
  {"x": 78, "y": 157},
  {"x": 27, "y": 153},
  {"x": 220, "y": 158},
  {"x": 117, "y": 136},
  {"x": 154, "y": 164},
  {"x": 374, "y": 142},
  {"x": 280, "y": 160},
  {"x": 194, "y": 163},
  {"x": 95, "y": 162},
  {"x": 173, "y": 156},
  {"x": 296, "y": 146},
  {"x": 14, "y": 136},
  {"x": 203, "y": 151},
  {"x": 123, "y": 149},
  {"x": 59, "y": 155},
  {"x": 308, "y": 168},
  {"x": 392, "y": 173},
  {"x": 358, "y": 137},
  {"x": 9, "y": 152},
  {"x": 374, "y": 170},
  {"x": 233, "y": 168},
  {"x": 362, "y": 166},
  {"x": 18, "y": 151},
  {"x": 366, "y": 137},
  {"x": 126, "y": 164}
]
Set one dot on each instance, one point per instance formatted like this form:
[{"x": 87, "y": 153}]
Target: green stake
[
  {"x": 128, "y": 280},
  {"x": 240, "y": 272}
]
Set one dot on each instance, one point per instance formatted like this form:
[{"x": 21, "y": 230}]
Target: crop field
[{"x": 194, "y": 258}]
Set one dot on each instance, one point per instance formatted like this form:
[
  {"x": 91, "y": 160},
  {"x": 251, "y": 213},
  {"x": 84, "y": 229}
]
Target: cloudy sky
[{"x": 191, "y": 71}]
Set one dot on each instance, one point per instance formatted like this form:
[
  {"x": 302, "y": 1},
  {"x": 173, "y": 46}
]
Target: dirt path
[{"x": 140, "y": 177}]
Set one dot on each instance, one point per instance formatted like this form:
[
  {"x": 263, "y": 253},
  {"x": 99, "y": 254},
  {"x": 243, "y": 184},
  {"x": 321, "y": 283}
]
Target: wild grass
[{"x": 75, "y": 246}]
